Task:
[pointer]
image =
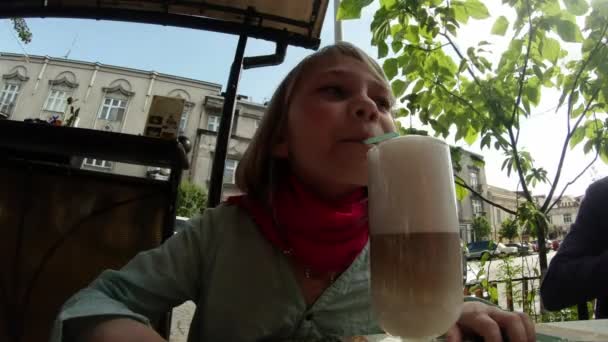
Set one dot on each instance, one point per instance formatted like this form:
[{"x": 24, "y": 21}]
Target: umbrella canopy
[{"x": 295, "y": 22}]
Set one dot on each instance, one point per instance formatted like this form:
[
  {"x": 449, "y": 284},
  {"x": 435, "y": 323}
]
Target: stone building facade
[{"x": 118, "y": 99}]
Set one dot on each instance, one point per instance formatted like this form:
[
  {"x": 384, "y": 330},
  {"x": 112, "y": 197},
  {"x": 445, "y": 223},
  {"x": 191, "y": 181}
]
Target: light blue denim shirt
[{"x": 244, "y": 288}]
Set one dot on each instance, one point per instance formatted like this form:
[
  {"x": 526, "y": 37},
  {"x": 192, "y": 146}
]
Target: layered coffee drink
[{"x": 416, "y": 269}]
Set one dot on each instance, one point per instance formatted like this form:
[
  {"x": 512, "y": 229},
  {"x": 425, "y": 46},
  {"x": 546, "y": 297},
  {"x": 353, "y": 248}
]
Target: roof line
[{"x": 109, "y": 66}]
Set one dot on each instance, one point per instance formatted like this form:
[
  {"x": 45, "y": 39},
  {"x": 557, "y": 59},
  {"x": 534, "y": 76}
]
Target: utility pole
[{"x": 337, "y": 23}]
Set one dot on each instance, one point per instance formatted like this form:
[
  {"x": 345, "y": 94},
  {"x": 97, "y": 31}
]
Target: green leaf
[
  {"x": 588, "y": 146},
  {"x": 395, "y": 29},
  {"x": 388, "y": 3},
  {"x": 576, "y": 7},
  {"x": 476, "y": 9},
  {"x": 577, "y": 136},
  {"x": 471, "y": 136},
  {"x": 500, "y": 26},
  {"x": 460, "y": 12},
  {"x": 537, "y": 71},
  {"x": 402, "y": 112},
  {"x": 462, "y": 66},
  {"x": 390, "y": 68},
  {"x": 382, "y": 49},
  {"x": 493, "y": 293},
  {"x": 396, "y": 46},
  {"x": 484, "y": 258},
  {"x": 550, "y": 50},
  {"x": 604, "y": 156},
  {"x": 593, "y": 128},
  {"x": 601, "y": 6},
  {"x": 551, "y": 8},
  {"x": 351, "y": 9},
  {"x": 486, "y": 141},
  {"x": 451, "y": 28},
  {"x": 569, "y": 32},
  {"x": 578, "y": 111},
  {"x": 412, "y": 33},
  {"x": 461, "y": 192},
  {"x": 398, "y": 87},
  {"x": 532, "y": 92},
  {"x": 418, "y": 86}
]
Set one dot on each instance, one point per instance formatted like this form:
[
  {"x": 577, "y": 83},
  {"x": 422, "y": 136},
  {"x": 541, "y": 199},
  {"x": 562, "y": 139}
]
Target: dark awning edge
[{"x": 260, "y": 25}]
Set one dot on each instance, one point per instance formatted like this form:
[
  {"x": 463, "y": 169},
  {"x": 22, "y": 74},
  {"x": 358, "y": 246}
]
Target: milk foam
[{"x": 411, "y": 187}]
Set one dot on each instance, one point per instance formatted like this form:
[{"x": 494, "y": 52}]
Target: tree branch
[
  {"x": 417, "y": 47},
  {"x": 522, "y": 75},
  {"x": 453, "y": 45},
  {"x": 458, "y": 97},
  {"x": 565, "y": 149},
  {"x": 462, "y": 183},
  {"x": 597, "y": 153},
  {"x": 597, "y": 46},
  {"x": 520, "y": 171}
]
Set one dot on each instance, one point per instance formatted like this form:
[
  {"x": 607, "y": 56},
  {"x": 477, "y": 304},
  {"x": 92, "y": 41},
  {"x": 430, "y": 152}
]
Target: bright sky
[{"x": 208, "y": 56}]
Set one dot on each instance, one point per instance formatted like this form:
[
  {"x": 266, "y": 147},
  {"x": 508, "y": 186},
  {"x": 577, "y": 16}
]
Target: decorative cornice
[
  {"x": 63, "y": 81},
  {"x": 17, "y": 75},
  {"x": 115, "y": 69},
  {"x": 118, "y": 89}
]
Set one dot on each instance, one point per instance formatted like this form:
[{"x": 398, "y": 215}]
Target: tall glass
[{"x": 416, "y": 270}]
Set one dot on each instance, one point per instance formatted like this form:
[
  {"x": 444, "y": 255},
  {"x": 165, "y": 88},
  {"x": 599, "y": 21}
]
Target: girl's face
[{"x": 336, "y": 104}]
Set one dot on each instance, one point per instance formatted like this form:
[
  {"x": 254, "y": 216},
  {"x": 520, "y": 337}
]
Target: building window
[
  {"x": 213, "y": 123},
  {"x": 8, "y": 97},
  {"x": 97, "y": 163},
  {"x": 473, "y": 179},
  {"x": 477, "y": 208},
  {"x": 56, "y": 101},
  {"x": 230, "y": 171},
  {"x": 567, "y": 218},
  {"x": 113, "y": 109},
  {"x": 183, "y": 122}
]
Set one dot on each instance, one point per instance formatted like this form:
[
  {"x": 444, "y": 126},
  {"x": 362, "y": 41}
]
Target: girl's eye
[
  {"x": 334, "y": 91},
  {"x": 383, "y": 104}
]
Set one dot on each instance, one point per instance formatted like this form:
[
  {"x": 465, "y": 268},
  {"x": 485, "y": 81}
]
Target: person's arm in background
[
  {"x": 579, "y": 270},
  {"x": 119, "y": 305}
]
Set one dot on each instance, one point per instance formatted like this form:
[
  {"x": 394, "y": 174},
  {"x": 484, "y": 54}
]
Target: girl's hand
[{"x": 488, "y": 321}]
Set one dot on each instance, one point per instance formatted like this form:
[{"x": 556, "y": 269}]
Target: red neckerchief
[{"x": 319, "y": 235}]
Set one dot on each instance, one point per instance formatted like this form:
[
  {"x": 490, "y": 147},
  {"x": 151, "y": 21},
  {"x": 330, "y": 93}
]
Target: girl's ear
[{"x": 280, "y": 150}]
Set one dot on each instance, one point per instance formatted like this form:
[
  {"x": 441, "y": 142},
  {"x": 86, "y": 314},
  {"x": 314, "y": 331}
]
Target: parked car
[
  {"x": 548, "y": 244},
  {"x": 479, "y": 248},
  {"x": 503, "y": 249},
  {"x": 521, "y": 248}
]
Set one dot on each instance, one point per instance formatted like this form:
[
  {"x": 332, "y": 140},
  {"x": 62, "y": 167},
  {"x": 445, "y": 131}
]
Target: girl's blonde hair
[{"x": 258, "y": 171}]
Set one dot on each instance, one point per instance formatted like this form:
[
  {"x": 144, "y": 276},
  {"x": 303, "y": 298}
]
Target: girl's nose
[{"x": 364, "y": 108}]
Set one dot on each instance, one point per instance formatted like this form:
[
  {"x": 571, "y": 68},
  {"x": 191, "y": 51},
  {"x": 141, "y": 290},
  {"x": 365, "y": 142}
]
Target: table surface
[
  {"x": 573, "y": 331},
  {"x": 591, "y": 330},
  {"x": 595, "y": 325}
]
